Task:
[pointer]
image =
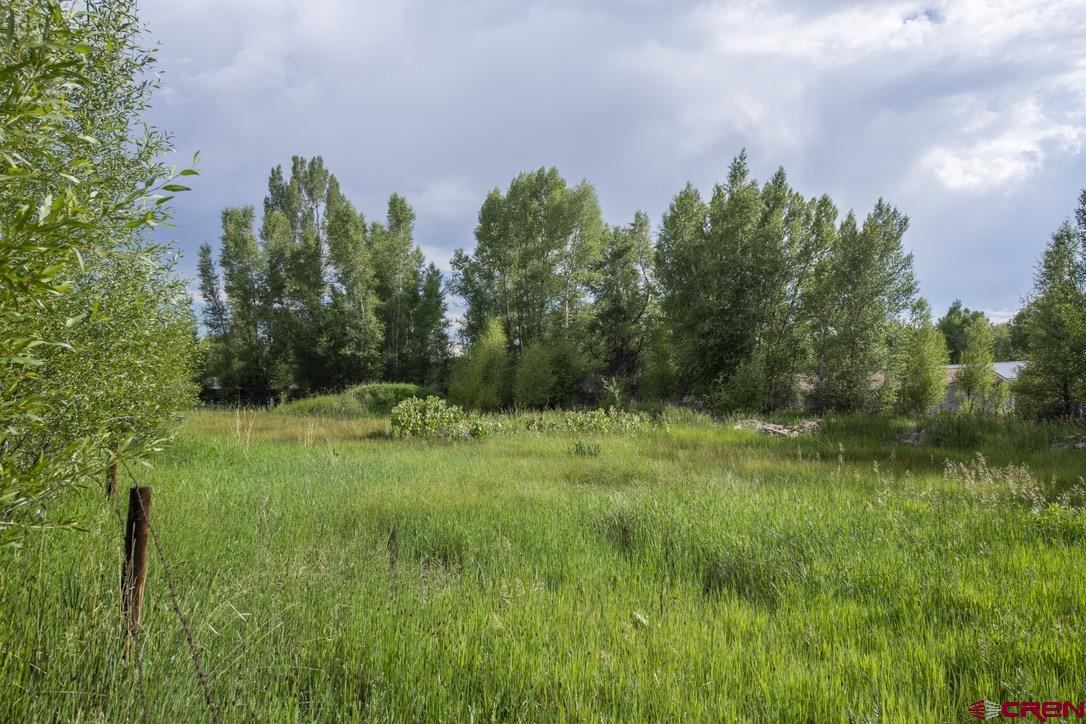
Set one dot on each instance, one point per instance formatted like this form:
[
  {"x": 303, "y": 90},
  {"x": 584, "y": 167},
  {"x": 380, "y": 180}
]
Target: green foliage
[
  {"x": 433, "y": 417},
  {"x": 954, "y": 326},
  {"x": 534, "y": 380},
  {"x": 862, "y": 287},
  {"x": 480, "y": 380},
  {"x": 736, "y": 274},
  {"x": 344, "y": 406},
  {"x": 537, "y": 248},
  {"x": 1054, "y": 381},
  {"x": 623, "y": 293},
  {"x": 585, "y": 449},
  {"x": 923, "y": 373},
  {"x": 977, "y": 376},
  {"x": 96, "y": 337},
  {"x": 320, "y": 300},
  {"x": 599, "y": 421},
  {"x": 380, "y": 398},
  {"x": 744, "y": 391}
]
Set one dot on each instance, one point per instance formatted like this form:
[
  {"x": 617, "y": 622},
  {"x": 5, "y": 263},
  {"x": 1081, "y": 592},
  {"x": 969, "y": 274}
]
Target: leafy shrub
[
  {"x": 433, "y": 417},
  {"x": 480, "y": 380},
  {"x": 380, "y": 398},
  {"x": 533, "y": 382},
  {"x": 572, "y": 421},
  {"x": 745, "y": 390}
]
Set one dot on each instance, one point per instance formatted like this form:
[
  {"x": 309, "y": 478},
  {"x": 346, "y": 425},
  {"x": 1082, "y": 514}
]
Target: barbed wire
[{"x": 176, "y": 605}]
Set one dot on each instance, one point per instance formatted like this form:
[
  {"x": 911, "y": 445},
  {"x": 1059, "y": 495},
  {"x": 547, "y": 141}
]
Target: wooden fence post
[{"x": 135, "y": 556}]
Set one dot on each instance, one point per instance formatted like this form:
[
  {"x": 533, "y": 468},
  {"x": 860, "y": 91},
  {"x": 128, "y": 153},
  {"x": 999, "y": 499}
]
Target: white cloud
[
  {"x": 1006, "y": 148},
  {"x": 442, "y": 101}
]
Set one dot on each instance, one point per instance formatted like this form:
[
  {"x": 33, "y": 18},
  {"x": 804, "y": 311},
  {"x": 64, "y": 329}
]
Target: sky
[{"x": 968, "y": 116}]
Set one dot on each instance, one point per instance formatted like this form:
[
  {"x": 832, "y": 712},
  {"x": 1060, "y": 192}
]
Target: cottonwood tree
[
  {"x": 1054, "y": 381},
  {"x": 623, "y": 293},
  {"x": 863, "y": 285},
  {"x": 923, "y": 369},
  {"x": 955, "y": 328},
  {"x": 397, "y": 265},
  {"x": 977, "y": 375},
  {"x": 734, "y": 277},
  {"x": 537, "y": 247}
]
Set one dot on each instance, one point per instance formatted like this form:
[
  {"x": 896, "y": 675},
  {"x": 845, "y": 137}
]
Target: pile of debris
[
  {"x": 1071, "y": 442},
  {"x": 912, "y": 438},
  {"x": 769, "y": 428}
]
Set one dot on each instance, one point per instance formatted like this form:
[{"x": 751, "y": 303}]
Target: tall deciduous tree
[
  {"x": 863, "y": 286},
  {"x": 537, "y": 247},
  {"x": 923, "y": 373},
  {"x": 397, "y": 266},
  {"x": 623, "y": 292},
  {"x": 977, "y": 375},
  {"x": 955, "y": 328},
  {"x": 1054, "y": 381},
  {"x": 735, "y": 274}
]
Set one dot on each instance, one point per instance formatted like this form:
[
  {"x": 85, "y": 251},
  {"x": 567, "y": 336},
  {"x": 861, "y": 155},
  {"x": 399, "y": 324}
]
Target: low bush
[
  {"x": 433, "y": 417},
  {"x": 610, "y": 420}
]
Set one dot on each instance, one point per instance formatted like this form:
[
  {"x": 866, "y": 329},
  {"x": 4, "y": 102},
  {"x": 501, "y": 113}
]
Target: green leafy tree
[
  {"x": 623, "y": 293},
  {"x": 537, "y": 248},
  {"x": 923, "y": 373},
  {"x": 428, "y": 349},
  {"x": 300, "y": 300},
  {"x": 976, "y": 377},
  {"x": 96, "y": 341},
  {"x": 1010, "y": 338},
  {"x": 480, "y": 379},
  {"x": 398, "y": 271},
  {"x": 534, "y": 380},
  {"x": 955, "y": 328},
  {"x": 863, "y": 286},
  {"x": 735, "y": 275},
  {"x": 1053, "y": 382}
]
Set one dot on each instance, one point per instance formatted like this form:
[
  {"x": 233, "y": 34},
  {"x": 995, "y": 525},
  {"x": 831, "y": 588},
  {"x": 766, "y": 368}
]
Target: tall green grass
[{"x": 690, "y": 572}]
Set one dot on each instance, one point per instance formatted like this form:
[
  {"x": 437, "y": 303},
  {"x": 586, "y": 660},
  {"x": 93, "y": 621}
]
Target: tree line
[
  {"x": 318, "y": 299},
  {"x": 754, "y": 298}
]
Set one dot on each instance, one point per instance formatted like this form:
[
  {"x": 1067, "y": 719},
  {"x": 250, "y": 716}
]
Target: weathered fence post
[{"x": 135, "y": 556}]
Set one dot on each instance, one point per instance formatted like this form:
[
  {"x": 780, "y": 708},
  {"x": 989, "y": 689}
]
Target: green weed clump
[{"x": 586, "y": 449}]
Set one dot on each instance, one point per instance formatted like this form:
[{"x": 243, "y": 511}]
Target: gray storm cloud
[{"x": 969, "y": 116}]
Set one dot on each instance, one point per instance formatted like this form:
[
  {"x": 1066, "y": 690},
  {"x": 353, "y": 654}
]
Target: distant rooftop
[{"x": 1006, "y": 370}]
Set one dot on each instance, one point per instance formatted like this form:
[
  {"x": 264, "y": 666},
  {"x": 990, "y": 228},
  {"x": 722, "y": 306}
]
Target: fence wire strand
[{"x": 176, "y": 605}]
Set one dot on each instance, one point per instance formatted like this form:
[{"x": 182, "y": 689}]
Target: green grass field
[{"x": 692, "y": 572}]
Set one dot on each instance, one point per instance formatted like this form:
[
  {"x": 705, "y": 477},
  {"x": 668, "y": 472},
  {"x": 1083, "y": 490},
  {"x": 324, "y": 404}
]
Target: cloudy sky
[{"x": 969, "y": 116}]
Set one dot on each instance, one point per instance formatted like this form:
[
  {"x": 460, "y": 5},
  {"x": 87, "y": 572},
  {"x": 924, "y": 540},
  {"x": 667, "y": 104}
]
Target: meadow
[{"x": 690, "y": 571}]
